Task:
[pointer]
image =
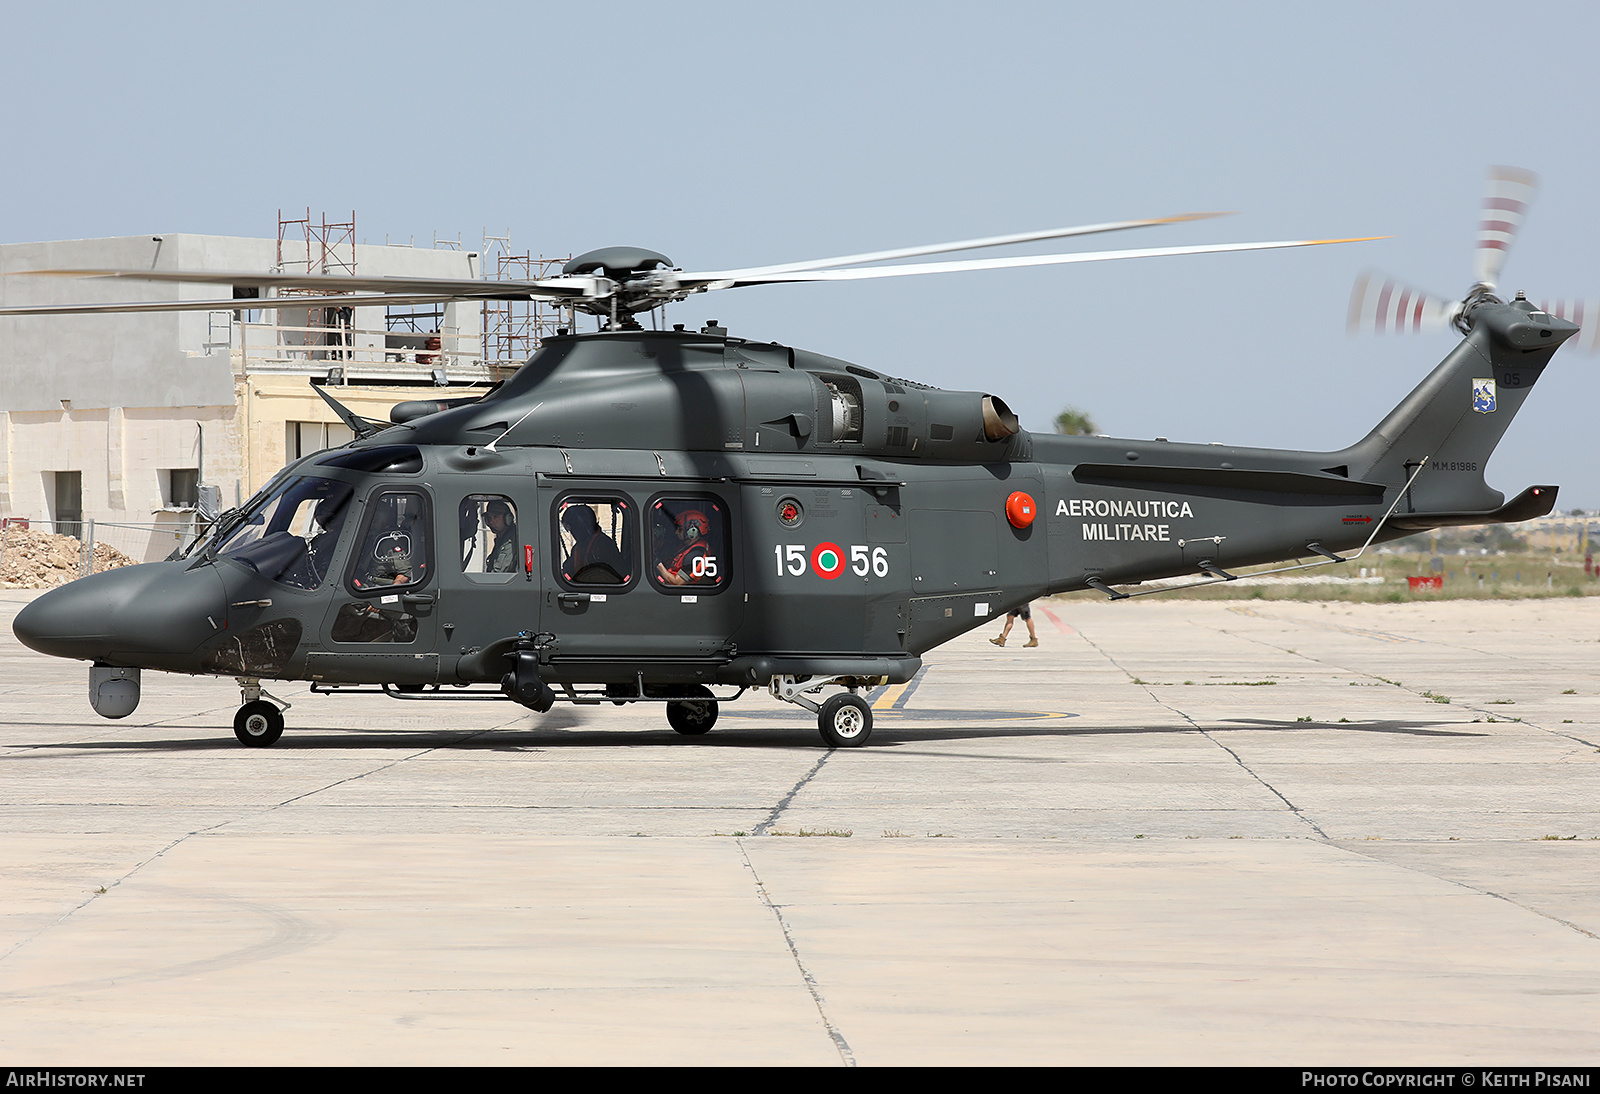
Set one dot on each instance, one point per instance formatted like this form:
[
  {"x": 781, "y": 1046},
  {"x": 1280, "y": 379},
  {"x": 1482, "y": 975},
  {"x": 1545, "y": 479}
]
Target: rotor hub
[{"x": 617, "y": 263}]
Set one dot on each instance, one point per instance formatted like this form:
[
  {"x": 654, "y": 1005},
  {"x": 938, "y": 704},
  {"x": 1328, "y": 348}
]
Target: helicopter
[{"x": 681, "y": 516}]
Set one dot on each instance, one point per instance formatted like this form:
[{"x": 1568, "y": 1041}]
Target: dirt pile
[{"x": 32, "y": 559}]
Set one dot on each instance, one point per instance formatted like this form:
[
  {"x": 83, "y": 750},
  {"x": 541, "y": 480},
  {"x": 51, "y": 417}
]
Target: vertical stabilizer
[{"x": 1456, "y": 416}]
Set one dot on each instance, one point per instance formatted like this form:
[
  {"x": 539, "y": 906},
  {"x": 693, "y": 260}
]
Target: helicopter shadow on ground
[
  {"x": 891, "y": 736},
  {"x": 568, "y": 729},
  {"x": 1414, "y": 729}
]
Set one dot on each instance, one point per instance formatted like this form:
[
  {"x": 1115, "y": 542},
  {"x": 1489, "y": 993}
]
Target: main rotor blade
[
  {"x": 245, "y": 304},
  {"x": 401, "y": 291},
  {"x": 453, "y": 288},
  {"x": 1021, "y": 260},
  {"x": 1505, "y": 204},
  {"x": 322, "y": 283},
  {"x": 937, "y": 248},
  {"x": 1379, "y": 304}
]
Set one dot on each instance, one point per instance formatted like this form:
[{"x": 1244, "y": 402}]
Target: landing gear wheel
[
  {"x": 845, "y": 721},
  {"x": 258, "y": 724},
  {"x": 694, "y": 716}
]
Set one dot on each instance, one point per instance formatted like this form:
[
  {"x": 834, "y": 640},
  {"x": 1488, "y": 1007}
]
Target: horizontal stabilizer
[{"x": 1535, "y": 501}]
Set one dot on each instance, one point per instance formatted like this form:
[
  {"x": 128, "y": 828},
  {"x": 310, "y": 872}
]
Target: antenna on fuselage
[
  {"x": 490, "y": 447},
  {"x": 361, "y": 427}
]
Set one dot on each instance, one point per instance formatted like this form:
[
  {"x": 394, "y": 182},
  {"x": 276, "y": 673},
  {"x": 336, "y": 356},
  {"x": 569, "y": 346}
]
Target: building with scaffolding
[{"x": 141, "y": 423}]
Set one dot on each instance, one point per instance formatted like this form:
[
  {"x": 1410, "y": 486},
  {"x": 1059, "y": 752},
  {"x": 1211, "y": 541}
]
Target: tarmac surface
[{"x": 1176, "y": 833}]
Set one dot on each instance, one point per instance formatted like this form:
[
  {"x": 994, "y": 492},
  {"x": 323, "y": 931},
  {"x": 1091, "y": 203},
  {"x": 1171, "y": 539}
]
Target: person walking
[{"x": 1024, "y": 613}]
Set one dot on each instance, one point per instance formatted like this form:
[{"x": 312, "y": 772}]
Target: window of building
[
  {"x": 180, "y": 487},
  {"x": 68, "y": 511},
  {"x": 304, "y": 438},
  {"x": 247, "y": 292}
]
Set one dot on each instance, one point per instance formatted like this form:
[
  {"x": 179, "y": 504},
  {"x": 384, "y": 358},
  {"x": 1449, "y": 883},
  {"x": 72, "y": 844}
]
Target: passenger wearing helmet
[
  {"x": 677, "y": 563},
  {"x": 593, "y": 558},
  {"x": 502, "y": 523}
]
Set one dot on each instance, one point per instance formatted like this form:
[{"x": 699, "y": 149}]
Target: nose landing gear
[{"x": 258, "y": 723}]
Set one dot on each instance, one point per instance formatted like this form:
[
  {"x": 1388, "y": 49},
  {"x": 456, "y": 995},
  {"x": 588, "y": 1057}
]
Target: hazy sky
[{"x": 728, "y": 134}]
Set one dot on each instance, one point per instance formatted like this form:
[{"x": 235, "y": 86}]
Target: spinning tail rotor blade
[
  {"x": 1505, "y": 204},
  {"x": 1585, "y": 313},
  {"x": 1381, "y": 304}
]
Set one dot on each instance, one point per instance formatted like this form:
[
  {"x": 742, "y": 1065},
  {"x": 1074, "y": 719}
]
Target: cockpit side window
[
  {"x": 489, "y": 540},
  {"x": 394, "y": 547},
  {"x": 596, "y": 539}
]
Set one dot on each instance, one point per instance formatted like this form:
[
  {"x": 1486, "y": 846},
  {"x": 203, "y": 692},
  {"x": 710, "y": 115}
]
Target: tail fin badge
[{"x": 1483, "y": 396}]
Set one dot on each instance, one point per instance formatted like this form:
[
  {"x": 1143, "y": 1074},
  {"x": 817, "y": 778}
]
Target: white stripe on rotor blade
[
  {"x": 940, "y": 248},
  {"x": 1505, "y": 204},
  {"x": 1024, "y": 261}
]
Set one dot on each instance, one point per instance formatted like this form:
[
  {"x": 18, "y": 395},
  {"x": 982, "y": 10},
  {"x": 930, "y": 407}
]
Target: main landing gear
[
  {"x": 695, "y": 714},
  {"x": 258, "y": 723},
  {"x": 845, "y": 720}
]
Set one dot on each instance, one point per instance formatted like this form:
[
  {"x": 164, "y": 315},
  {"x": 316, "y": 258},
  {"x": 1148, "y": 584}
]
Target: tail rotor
[
  {"x": 1505, "y": 205},
  {"x": 1379, "y": 304}
]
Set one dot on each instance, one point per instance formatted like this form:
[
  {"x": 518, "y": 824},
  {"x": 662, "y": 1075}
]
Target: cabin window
[
  {"x": 596, "y": 540},
  {"x": 489, "y": 540},
  {"x": 688, "y": 544},
  {"x": 394, "y": 547}
]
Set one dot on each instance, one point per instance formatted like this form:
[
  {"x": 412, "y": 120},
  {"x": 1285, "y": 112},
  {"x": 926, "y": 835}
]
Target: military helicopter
[{"x": 680, "y": 516}]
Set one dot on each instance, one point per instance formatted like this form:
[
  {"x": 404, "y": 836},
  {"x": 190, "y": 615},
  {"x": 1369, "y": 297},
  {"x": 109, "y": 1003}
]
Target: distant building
[{"x": 128, "y": 419}]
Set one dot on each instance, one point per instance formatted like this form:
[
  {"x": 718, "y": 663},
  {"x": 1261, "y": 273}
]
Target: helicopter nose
[{"x": 157, "y": 608}]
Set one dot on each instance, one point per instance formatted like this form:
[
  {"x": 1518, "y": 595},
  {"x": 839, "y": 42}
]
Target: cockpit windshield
[{"x": 288, "y": 534}]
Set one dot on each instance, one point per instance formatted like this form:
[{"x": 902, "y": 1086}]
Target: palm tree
[{"x": 1075, "y": 423}]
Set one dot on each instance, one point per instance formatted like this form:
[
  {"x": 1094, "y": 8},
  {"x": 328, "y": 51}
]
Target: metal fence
[
  {"x": 360, "y": 354},
  {"x": 140, "y": 541}
]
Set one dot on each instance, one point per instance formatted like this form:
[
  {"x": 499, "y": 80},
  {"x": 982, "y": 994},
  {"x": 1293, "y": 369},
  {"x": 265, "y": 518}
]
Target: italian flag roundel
[{"x": 828, "y": 560}]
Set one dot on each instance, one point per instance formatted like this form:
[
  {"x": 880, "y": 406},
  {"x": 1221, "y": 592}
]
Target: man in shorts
[{"x": 1024, "y": 613}]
